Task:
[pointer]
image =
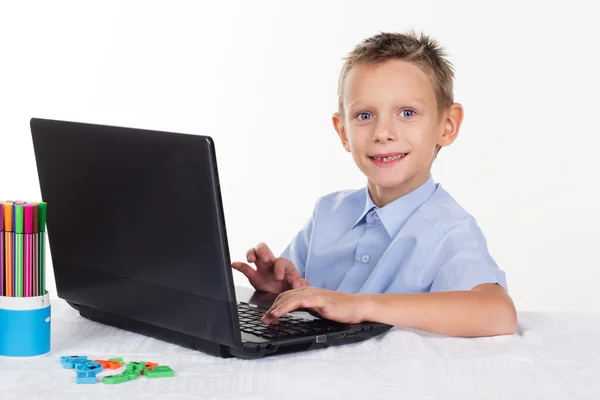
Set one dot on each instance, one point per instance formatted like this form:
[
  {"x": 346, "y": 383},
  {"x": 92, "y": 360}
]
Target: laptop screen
[{"x": 134, "y": 215}]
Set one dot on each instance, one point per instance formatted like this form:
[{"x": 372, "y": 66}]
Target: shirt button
[{"x": 365, "y": 259}]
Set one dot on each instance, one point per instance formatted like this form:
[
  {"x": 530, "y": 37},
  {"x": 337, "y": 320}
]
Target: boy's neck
[{"x": 383, "y": 196}]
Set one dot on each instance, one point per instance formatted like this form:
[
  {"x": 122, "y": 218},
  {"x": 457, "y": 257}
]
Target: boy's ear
[
  {"x": 452, "y": 119},
  {"x": 340, "y": 128}
]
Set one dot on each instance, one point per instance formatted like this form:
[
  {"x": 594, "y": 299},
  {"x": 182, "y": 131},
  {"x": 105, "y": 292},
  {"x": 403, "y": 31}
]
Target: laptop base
[
  {"x": 255, "y": 350},
  {"x": 246, "y": 351}
]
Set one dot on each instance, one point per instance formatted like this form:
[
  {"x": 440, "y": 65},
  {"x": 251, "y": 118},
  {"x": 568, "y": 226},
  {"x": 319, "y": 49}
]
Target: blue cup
[{"x": 24, "y": 326}]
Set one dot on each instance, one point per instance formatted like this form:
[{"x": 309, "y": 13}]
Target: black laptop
[{"x": 138, "y": 241}]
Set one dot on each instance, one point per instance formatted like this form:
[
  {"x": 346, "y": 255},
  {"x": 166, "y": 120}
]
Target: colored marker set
[
  {"x": 24, "y": 300},
  {"x": 22, "y": 248}
]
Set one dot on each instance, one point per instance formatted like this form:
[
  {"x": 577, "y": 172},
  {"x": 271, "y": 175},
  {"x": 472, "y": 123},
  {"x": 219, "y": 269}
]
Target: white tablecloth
[{"x": 553, "y": 356}]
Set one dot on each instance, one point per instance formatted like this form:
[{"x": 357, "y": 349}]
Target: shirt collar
[{"x": 394, "y": 215}]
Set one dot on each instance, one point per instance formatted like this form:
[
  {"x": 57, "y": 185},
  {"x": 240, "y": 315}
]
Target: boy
[{"x": 400, "y": 251}]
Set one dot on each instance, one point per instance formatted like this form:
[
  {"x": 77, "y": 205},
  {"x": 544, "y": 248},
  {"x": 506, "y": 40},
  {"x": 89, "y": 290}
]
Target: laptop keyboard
[{"x": 288, "y": 326}]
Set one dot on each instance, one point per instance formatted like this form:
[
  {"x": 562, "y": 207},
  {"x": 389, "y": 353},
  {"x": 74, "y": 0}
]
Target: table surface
[{"x": 552, "y": 356}]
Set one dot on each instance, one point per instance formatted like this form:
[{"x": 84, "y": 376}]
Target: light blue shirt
[{"x": 423, "y": 241}]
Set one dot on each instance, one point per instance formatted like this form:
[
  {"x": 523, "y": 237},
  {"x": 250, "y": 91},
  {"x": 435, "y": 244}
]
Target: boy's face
[{"x": 392, "y": 126}]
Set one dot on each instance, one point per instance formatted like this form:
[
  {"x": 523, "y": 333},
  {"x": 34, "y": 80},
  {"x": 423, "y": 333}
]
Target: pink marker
[{"x": 28, "y": 251}]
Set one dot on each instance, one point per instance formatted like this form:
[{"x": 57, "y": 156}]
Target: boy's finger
[
  {"x": 251, "y": 255},
  {"x": 264, "y": 253},
  {"x": 244, "y": 269},
  {"x": 291, "y": 273},
  {"x": 288, "y": 305},
  {"x": 304, "y": 282},
  {"x": 279, "y": 269},
  {"x": 284, "y": 269},
  {"x": 298, "y": 283},
  {"x": 282, "y": 298}
]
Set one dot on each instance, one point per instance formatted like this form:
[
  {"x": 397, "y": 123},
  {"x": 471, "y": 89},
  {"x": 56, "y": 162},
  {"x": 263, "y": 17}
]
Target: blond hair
[{"x": 418, "y": 49}]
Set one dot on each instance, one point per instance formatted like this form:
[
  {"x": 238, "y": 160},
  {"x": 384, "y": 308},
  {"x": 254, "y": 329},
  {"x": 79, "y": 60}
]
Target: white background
[{"x": 260, "y": 77}]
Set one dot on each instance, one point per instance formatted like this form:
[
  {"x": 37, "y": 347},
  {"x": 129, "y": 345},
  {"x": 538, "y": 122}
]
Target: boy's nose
[{"x": 384, "y": 132}]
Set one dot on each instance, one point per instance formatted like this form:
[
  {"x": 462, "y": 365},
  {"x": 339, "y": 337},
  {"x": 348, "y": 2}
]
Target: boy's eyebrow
[{"x": 420, "y": 101}]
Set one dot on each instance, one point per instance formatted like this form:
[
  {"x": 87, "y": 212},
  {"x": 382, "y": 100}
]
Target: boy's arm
[
  {"x": 467, "y": 296},
  {"x": 486, "y": 310}
]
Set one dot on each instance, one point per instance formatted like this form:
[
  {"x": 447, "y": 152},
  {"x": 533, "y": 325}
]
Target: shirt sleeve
[
  {"x": 465, "y": 261},
  {"x": 297, "y": 250}
]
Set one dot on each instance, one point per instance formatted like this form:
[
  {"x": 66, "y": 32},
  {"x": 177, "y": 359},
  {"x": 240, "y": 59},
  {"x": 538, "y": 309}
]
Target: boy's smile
[
  {"x": 387, "y": 160},
  {"x": 392, "y": 126}
]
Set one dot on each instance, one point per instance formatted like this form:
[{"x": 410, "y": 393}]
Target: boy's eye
[
  {"x": 407, "y": 113},
  {"x": 363, "y": 116}
]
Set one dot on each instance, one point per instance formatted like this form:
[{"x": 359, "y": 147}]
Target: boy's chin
[
  {"x": 394, "y": 180},
  {"x": 388, "y": 182}
]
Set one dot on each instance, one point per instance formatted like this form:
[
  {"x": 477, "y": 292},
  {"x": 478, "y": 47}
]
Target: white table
[{"x": 553, "y": 356}]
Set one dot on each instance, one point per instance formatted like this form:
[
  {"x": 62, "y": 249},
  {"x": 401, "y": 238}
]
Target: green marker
[
  {"x": 42, "y": 249},
  {"x": 19, "y": 250}
]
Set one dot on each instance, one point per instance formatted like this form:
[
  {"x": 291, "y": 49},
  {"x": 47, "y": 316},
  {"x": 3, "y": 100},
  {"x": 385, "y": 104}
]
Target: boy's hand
[
  {"x": 275, "y": 275},
  {"x": 336, "y": 306}
]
